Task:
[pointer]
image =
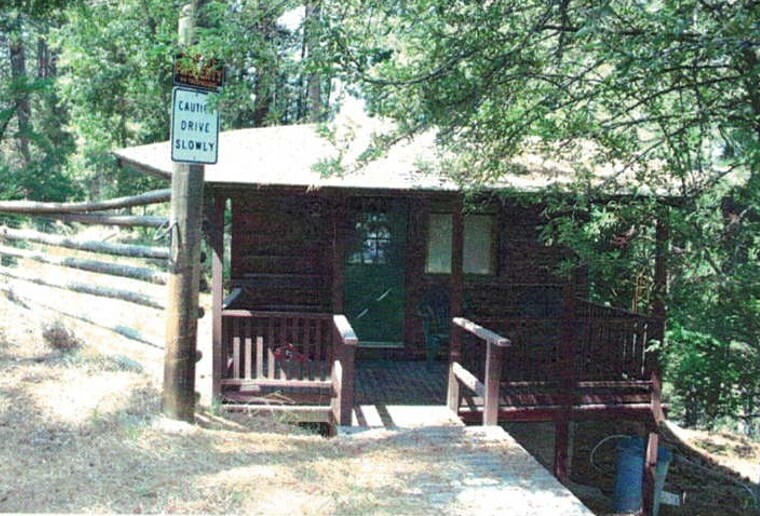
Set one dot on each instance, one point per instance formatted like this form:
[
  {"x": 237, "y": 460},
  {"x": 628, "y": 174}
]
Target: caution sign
[{"x": 195, "y": 127}]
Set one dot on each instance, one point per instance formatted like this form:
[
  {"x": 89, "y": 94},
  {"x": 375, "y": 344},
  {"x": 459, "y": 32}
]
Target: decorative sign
[
  {"x": 195, "y": 127},
  {"x": 195, "y": 72}
]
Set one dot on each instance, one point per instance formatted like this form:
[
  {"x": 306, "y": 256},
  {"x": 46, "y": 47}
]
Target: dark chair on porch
[{"x": 434, "y": 312}]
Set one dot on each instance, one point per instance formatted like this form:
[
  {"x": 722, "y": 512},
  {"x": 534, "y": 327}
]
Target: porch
[{"x": 590, "y": 361}]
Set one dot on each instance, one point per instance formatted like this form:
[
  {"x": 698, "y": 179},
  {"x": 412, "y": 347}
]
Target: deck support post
[
  {"x": 216, "y": 245},
  {"x": 650, "y": 466},
  {"x": 657, "y": 334},
  {"x": 494, "y": 360},
  {"x": 561, "y": 447},
  {"x": 567, "y": 382}
]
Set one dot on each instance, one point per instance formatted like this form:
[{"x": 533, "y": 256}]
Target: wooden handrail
[
  {"x": 345, "y": 331},
  {"x": 489, "y": 389},
  {"x": 275, "y": 314},
  {"x": 482, "y": 333},
  {"x": 468, "y": 379}
]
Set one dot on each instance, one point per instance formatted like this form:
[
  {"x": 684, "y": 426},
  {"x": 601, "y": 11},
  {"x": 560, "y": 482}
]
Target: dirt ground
[
  {"x": 82, "y": 432},
  {"x": 716, "y": 472}
]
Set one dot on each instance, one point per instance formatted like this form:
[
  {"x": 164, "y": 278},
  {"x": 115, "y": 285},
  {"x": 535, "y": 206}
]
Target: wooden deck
[{"x": 394, "y": 394}]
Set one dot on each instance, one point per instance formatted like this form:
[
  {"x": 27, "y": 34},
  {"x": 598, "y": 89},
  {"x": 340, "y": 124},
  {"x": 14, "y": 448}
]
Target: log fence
[{"x": 145, "y": 261}]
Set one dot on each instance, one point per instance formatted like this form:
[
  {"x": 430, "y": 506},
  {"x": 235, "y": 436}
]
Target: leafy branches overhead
[
  {"x": 643, "y": 81},
  {"x": 667, "y": 92}
]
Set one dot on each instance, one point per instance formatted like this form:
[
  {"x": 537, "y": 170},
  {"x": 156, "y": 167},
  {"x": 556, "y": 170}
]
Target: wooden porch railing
[
  {"x": 593, "y": 359},
  {"x": 489, "y": 389},
  {"x": 294, "y": 353}
]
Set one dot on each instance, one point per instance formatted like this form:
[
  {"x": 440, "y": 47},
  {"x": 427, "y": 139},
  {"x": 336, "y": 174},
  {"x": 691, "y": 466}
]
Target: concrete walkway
[{"x": 471, "y": 470}]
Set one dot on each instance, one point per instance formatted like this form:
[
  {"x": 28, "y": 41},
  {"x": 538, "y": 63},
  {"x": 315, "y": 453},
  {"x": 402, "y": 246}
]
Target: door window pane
[{"x": 374, "y": 239}]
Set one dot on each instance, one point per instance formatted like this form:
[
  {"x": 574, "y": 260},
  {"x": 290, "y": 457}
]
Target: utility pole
[{"x": 178, "y": 396}]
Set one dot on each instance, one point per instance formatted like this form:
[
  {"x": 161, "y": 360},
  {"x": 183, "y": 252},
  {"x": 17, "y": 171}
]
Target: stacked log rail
[{"x": 15, "y": 244}]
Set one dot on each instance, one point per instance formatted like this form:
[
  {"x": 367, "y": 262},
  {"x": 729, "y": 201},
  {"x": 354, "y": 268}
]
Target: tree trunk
[
  {"x": 316, "y": 105},
  {"x": 17, "y": 54}
]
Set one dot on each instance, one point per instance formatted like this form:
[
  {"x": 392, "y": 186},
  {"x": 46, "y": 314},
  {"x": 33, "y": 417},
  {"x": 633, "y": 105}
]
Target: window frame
[{"x": 492, "y": 248}]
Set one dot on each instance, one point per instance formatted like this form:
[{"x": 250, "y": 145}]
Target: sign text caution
[{"x": 195, "y": 127}]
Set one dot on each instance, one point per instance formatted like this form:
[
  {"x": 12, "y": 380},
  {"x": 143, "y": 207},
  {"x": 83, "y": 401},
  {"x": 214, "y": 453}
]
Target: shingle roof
[{"x": 297, "y": 155}]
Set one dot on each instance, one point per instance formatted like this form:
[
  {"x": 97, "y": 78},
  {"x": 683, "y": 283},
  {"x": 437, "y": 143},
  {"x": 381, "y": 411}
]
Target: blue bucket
[{"x": 630, "y": 475}]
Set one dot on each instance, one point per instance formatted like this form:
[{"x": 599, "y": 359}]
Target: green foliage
[
  {"x": 711, "y": 378},
  {"x": 116, "y": 62}
]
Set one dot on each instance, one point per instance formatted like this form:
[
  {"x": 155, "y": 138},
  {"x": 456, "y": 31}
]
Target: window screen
[{"x": 439, "y": 244}]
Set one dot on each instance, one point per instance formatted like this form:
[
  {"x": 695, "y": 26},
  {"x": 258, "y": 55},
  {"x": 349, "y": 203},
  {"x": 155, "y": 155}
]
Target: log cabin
[{"x": 391, "y": 258}]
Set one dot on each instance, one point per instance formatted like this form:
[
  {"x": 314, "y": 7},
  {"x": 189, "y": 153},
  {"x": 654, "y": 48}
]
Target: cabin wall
[
  {"x": 282, "y": 258},
  {"x": 523, "y": 282},
  {"x": 281, "y": 251}
]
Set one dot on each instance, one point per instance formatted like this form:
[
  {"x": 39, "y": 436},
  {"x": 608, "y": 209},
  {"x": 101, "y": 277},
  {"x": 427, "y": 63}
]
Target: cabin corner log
[
  {"x": 112, "y": 269},
  {"x": 41, "y": 208},
  {"x": 84, "y": 288},
  {"x": 128, "y": 250}
]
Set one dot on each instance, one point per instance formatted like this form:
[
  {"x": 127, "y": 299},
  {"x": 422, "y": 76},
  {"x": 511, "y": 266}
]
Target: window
[
  {"x": 375, "y": 239},
  {"x": 439, "y": 244},
  {"x": 478, "y": 244}
]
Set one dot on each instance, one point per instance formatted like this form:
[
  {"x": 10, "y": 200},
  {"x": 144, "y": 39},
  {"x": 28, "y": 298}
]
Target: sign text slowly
[{"x": 195, "y": 127}]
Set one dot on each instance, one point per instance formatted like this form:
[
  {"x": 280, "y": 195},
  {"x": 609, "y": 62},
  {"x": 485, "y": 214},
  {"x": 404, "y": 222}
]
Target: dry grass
[{"x": 82, "y": 432}]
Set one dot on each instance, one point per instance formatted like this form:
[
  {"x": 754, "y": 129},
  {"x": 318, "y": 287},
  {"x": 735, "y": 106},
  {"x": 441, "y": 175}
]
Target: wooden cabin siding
[
  {"x": 281, "y": 251},
  {"x": 282, "y": 258},
  {"x": 524, "y": 283}
]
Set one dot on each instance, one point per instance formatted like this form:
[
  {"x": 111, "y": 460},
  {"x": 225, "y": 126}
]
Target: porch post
[
  {"x": 216, "y": 245},
  {"x": 658, "y": 312},
  {"x": 456, "y": 300},
  {"x": 340, "y": 213},
  {"x": 566, "y": 381},
  {"x": 457, "y": 276}
]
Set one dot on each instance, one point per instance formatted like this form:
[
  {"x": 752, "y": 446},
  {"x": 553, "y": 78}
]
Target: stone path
[{"x": 472, "y": 470}]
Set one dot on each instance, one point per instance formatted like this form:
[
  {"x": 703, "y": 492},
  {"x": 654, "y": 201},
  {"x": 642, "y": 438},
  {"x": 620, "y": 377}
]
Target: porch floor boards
[{"x": 401, "y": 394}]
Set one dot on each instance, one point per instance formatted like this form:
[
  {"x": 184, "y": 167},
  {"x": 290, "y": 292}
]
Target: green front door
[{"x": 374, "y": 297}]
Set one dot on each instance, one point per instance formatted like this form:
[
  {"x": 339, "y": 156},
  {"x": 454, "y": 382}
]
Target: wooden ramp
[{"x": 469, "y": 470}]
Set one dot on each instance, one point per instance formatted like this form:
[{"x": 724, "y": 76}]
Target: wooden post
[
  {"x": 178, "y": 395},
  {"x": 566, "y": 381},
  {"x": 561, "y": 447},
  {"x": 344, "y": 344},
  {"x": 340, "y": 214},
  {"x": 494, "y": 360},
  {"x": 457, "y": 277},
  {"x": 650, "y": 467},
  {"x": 657, "y": 333},
  {"x": 216, "y": 244},
  {"x": 456, "y": 300}
]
